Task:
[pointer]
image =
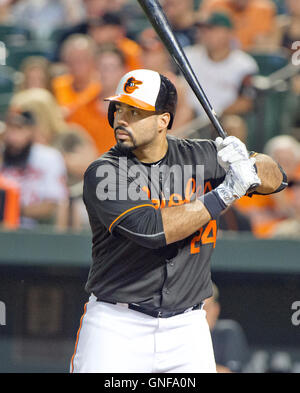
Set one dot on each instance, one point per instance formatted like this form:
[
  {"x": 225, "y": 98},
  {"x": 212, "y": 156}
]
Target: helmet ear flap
[{"x": 111, "y": 113}]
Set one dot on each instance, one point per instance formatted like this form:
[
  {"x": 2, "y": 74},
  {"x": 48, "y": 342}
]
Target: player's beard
[
  {"x": 16, "y": 157},
  {"x": 122, "y": 145}
]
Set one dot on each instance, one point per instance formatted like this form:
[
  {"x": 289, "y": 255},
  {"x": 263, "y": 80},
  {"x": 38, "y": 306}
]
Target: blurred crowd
[{"x": 65, "y": 56}]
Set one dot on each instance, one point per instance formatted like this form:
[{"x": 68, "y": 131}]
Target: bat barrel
[{"x": 161, "y": 25}]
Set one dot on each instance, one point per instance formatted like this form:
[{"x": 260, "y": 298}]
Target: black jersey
[{"x": 124, "y": 198}]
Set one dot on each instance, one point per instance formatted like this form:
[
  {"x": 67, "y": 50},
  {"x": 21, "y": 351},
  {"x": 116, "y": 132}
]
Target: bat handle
[{"x": 216, "y": 123}]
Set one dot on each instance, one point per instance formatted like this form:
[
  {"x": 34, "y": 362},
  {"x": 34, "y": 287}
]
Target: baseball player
[{"x": 153, "y": 202}]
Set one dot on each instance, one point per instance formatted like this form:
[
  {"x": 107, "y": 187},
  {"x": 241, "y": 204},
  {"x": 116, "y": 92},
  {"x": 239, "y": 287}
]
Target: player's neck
[
  {"x": 218, "y": 55},
  {"x": 152, "y": 152}
]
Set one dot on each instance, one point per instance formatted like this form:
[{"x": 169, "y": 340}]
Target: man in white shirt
[
  {"x": 224, "y": 73},
  {"x": 38, "y": 169}
]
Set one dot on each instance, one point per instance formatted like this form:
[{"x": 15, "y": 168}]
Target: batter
[{"x": 153, "y": 202}]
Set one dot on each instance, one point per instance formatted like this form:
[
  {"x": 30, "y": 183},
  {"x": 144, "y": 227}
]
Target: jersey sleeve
[{"x": 108, "y": 193}]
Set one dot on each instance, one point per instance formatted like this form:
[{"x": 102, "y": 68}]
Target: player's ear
[{"x": 163, "y": 121}]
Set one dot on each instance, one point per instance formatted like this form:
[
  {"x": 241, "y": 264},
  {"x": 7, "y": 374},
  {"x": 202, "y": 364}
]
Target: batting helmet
[{"x": 145, "y": 89}]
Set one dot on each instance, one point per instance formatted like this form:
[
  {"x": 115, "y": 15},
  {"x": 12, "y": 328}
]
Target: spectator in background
[
  {"x": 288, "y": 26},
  {"x": 110, "y": 66},
  {"x": 110, "y": 63},
  {"x": 78, "y": 90},
  {"x": 253, "y": 20},
  {"x": 39, "y": 170},
  {"x": 75, "y": 11},
  {"x": 155, "y": 57},
  {"x": 266, "y": 213},
  {"x": 116, "y": 5},
  {"x": 235, "y": 126},
  {"x": 49, "y": 121},
  {"x": 182, "y": 18},
  {"x": 78, "y": 151},
  {"x": 229, "y": 341},
  {"x": 44, "y": 16},
  {"x": 5, "y": 11},
  {"x": 91, "y": 9},
  {"x": 224, "y": 73},
  {"x": 9, "y": 203},
  {"x": 133, "y": 16},
  {"x": 35, "y": 73},
  {"x": 287, "y": 36},
  {"x": 290, "y": 227},
  {"x": 235, "y": 221},
  {"x": 95, "y": 8},
  {"x": 109, "y": 29},
  {"x": 285, "y": 150}
]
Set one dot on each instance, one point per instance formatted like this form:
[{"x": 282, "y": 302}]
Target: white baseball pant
[{"x": 115, "y": 339}]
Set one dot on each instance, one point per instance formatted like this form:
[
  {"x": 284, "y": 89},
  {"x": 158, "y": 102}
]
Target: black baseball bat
[{"x": 157, "y": 18}]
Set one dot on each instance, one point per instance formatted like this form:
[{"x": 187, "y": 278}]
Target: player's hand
[
  {"x": 230, "y": 150},
  {"x": 239, "y": 178}
]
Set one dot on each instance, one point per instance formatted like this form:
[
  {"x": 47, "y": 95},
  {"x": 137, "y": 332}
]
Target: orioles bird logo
[{"x": 131, "y": 85}]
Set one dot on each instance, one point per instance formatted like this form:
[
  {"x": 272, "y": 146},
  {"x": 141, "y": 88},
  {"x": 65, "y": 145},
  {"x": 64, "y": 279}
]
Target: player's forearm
[
  {"x": 269, "y": 173},
  {"x": 240, "y": 106},
  {"x": 180, "y": 222},
  {"x": 42, "y": 210}
]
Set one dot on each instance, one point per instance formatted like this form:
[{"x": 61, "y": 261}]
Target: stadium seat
[
  {"x": 268, "y": 118},
  {"x": 4, "y": 104},
  {"x": 15, "y": 54},
  {"x": 13, "y": 35},
  {"x": 7, "y": 79},
  {"x": 7, "y": 84},
  {"x": 273, "y": 102},
  {"x": 270, "y": 62},
  {"x": 197, "y": 4},
  {"x": 281, "y": 6}
]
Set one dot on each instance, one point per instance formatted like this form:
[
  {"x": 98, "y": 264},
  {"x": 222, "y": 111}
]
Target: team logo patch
[{"x": 131, "y": 85}]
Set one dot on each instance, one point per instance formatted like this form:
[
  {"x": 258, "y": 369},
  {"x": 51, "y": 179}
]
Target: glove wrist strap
[
  {"x": 226, "y": 194},
  {"x": 213, "y": 203}
]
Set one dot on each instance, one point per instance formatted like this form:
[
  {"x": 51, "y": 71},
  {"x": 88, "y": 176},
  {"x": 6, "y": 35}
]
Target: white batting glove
[
  {"x": 239, "y": 178},
  {"x": 230, "y": 150}
]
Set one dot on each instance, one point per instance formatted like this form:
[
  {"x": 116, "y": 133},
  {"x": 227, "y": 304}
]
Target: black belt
[{"x": 154, "y": 313}]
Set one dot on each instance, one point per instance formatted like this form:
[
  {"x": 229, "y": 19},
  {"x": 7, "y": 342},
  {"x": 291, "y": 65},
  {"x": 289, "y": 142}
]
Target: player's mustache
[{"x": 121, "y": 128}]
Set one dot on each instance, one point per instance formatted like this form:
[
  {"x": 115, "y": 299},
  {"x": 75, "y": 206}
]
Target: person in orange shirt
[
  {"x": 109, "y": 29},
  {"x": 9, "y": 203},
  {"x": 254, "y": 20},
  {"x": 111, "y": 65},
  {"x": 77, "y": 90}
]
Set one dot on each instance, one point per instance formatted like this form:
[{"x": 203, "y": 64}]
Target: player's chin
[{"x": 125, "y": 146}]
